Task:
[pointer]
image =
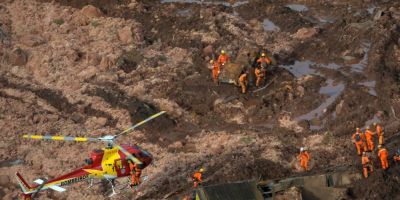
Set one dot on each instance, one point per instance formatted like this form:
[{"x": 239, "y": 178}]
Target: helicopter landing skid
[{"x": 112, "y": 182}]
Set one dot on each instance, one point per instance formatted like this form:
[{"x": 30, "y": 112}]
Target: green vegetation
[
  {"x": 94, "y": 23},
  {"x": 58, "y": 21}
]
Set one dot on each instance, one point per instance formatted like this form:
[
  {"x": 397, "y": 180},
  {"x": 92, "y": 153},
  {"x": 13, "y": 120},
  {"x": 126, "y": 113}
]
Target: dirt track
[{"x": 68, "y": 71}]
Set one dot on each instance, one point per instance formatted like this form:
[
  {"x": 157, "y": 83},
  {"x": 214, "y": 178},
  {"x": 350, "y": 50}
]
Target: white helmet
[{"x": 302, "y": 149}]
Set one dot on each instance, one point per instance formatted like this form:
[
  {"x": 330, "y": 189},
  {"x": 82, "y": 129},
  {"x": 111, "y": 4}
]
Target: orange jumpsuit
[
  {"x": 263, "y": 60},
  {"x": 243, "y": 82},
  {"x": 379, "y": 132},
  {"x": 197, "y": 179},
  {"x": 359, "y": 141},
  {"x": 383, "y": 155},
  {"x": 135, "y": 174},
  {"x": 260, "y": 76},
  {"x": 304, "y": 157},
  {"x": 369, "y": 137},
  {"x": 215, "y": 71},
  {"x": 223, "y": 58},
  {"x": 366, "y": 164}
]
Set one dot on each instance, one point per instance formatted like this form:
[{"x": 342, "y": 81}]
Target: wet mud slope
[{"x": 67, "y": 68}]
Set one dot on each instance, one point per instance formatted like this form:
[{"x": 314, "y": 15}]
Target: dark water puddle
[
  {"x": 268, "y": 25},
  {"x": 184, "y": 12},
  {"x": 307, "y": 67},
  {"x": 333, "y": 90},
  {"x": 326, "y": 20},
  {"x": 201, "y": 2},
  {"x": 301, "y": 68},
  {"x": 297, "y": 7},
  {"x": 10, "y": 163},
  {"x": 371, "y": 87},
  {"x": 371, "y": 9}
]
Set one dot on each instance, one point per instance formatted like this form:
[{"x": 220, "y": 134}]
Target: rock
[
  {"x": 256, "y": 24},
  {"x": 133, "y": 5},
  {"x": 101, "y": 121},
  {"x": 300, "y": 91},
  {"x": 378, "y": 14},
  {"x": 305, "y": 33},
  {"x": 348, "y": 58},
  {"x": 18, "y": 57},
  {"x": 339, "y": 107},
  {"x": 92, "y": 59},
  {"x": 125, "y": 35},
  {"x": 105, "y": 63},
  {"x": 88, "y": 72},
  {"x": 32, "y": 40},
  {"x": 176, "y": 145},
  {"x": 91, "y": 11}
]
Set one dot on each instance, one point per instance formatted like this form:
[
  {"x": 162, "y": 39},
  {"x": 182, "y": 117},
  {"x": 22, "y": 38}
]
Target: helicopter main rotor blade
[
  {"x": 140, "y": 123},
  {"x": 128, "y": 155},
  {"x": 60, "y": 138}
]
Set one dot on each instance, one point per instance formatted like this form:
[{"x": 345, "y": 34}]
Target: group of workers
[
  {"x": 260, "y": 70},
  {"x": 364, "y": 143}
]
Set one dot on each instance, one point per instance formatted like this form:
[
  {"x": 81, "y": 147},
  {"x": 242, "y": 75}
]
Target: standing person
[
  {"x": 383, "y": 156},
  {"x": 263, "y": 61},
  {"x": 215, "y": 66},
  {"x": 136, "y": 172},
  {"x": 396, "y": 157},
  {"x": 379, "y": 132},
  {"x": 260, "y": 74},
  {"x": 369, "y": 137},
  {"x": 358, "y": 139},
  {"x": 223, "y": 58},
  {"x": 243, "y": 81},
  {"x": 197, "y": 178},
  {"x": 304, "y": 157},
  {"x": 366, "y": 164}
]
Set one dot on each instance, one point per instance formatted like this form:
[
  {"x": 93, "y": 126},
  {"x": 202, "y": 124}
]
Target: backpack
[{"x": 358, "y": 137}]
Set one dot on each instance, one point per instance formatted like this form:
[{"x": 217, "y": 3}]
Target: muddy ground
[{"x": 69, "y": 69}]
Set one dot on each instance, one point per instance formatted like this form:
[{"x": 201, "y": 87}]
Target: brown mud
[{"x": 65, "y": 73}]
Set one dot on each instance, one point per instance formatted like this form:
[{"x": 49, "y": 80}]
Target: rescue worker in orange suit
[
  {"x": 366, "y": 164},
  {"x": 369, "y": 137},
  {"x": 243, "y": 81},
  {"x": 136, "y": 172},
  {"x": 260, "y": 74},
  {"x": 197, "y": 178},
  {"x": 359, "y": 140},
  {"x": 223, "y": 58},
  {"x": 379, "y": 132},
  {"x": 304, "y": 158},
  {"x": 263, "y": 60},
  {"x": 215, "y": 70},
  {"x": 383, "y": 156},
  {"x": 396, "y": 158}
]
